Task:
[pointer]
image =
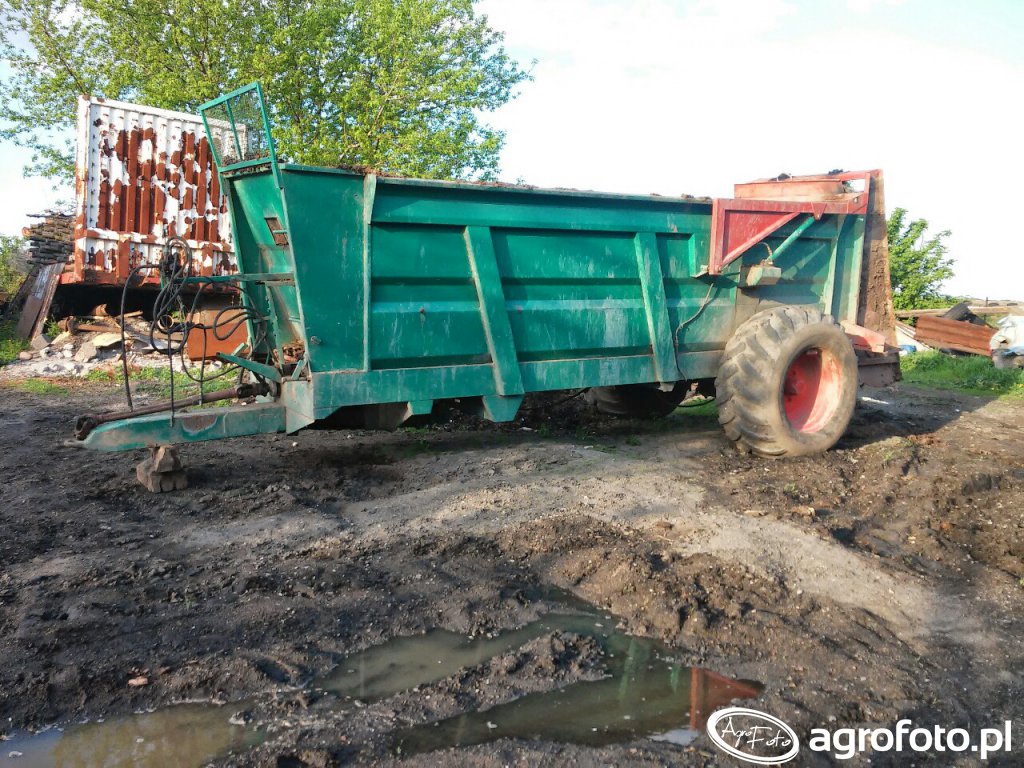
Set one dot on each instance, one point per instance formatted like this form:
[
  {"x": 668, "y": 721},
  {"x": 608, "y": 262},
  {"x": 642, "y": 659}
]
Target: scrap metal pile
[
  {"x": 50, "y": 246},
  {"x": 962, "y": 329},
  {"x": 186, "y": 328}
]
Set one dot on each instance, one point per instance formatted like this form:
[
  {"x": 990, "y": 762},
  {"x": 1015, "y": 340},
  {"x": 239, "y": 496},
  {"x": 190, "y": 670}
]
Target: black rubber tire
[
  {"x": 752, "y": 380},
  {"x": 638, "y": 401}
]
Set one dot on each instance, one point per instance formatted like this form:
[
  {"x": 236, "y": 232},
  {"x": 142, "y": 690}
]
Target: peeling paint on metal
[
  {"x": 196, "y": 423},
  {"x": 144, "y": 175}
]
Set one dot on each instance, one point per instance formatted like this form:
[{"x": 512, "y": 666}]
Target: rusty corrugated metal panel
[
  {"x": 954, "y": 334},
  {"x": 144, "y": 175}
]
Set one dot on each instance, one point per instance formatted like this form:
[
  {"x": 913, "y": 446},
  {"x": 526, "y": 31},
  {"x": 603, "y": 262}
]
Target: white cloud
[
  {"x": 669, "y": 98},
  {"x": 20, "y": 196},
  {"x": 867, "y": 6}
]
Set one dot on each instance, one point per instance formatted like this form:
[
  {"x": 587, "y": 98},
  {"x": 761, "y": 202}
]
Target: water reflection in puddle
[
  {"x": 405, "y": 663},
  {"x": 644, "y": 693},
  {"x": 183, "y": 736}
]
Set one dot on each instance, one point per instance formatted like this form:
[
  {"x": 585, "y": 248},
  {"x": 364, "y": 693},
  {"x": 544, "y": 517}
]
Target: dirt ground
[{"x": 882, "y": 580}]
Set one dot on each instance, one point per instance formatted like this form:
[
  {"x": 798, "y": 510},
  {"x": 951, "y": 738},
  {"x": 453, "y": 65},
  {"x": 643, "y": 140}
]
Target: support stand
[{"x": 162, "y": 471}]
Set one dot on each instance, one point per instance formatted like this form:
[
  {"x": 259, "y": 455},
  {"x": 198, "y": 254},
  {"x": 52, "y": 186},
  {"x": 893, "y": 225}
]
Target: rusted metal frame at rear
[{"x": 741, "y": 223}]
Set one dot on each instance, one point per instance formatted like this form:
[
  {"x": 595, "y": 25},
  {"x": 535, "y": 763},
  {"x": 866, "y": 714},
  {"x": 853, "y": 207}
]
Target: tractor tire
[
  {"x": 787, "y": 384},
  {"x": 638, "y": 401}
]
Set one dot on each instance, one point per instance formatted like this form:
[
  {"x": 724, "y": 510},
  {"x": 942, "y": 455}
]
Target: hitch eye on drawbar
[{"x": 238, "y": 129}]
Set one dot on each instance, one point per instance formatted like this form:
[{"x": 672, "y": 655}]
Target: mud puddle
[
  {"x": 181, "y": 736},
  {"x": 405, "y": 663},
  {"x": 643, "y": 693}
]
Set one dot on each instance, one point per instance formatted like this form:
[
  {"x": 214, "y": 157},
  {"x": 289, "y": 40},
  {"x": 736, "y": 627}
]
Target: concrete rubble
[{"x": 78, "y": 353}]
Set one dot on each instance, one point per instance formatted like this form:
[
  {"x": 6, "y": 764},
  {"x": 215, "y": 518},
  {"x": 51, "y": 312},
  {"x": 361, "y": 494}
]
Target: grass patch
[
  {"x": 40, "y": 387},
  {"x": 973, "y": 374},
  {"x": 707, "y": 409},
  {"x": 416, "y": 448},
  {"x": 10, "y": 345},
  {"x": 157, "y": 380}
]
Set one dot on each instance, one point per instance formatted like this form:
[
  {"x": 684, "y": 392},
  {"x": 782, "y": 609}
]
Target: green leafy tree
[
  {"x": 12, "y": 263},
  {"x": 397, "y": 85},
  {"x": 917, "y": 263}
]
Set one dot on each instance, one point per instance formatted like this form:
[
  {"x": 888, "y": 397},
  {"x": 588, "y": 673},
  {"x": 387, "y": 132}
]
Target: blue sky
[{"x": 691, "y": 96}]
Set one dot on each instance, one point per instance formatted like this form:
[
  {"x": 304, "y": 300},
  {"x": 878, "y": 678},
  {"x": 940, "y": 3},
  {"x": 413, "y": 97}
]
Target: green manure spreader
[{"x": 370, "y": 300}]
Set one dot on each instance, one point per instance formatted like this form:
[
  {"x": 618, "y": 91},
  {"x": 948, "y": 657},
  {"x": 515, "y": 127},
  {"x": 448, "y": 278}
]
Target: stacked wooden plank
[{"x": 51, "y": 240}]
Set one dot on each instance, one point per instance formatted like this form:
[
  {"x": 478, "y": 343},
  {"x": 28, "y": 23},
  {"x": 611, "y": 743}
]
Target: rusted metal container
[{"x": 144, "y": 175}]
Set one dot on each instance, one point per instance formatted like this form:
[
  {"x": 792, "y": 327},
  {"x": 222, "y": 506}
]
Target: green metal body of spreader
[{"x": 382, "y": 296}]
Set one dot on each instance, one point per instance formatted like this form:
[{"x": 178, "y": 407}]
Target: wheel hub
[{"x": 811, "y": 390}]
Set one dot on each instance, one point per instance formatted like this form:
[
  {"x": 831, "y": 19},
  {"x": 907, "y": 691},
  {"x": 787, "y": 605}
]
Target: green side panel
[
  {"x": 334, "y": 390},
  {"x": 587, "y": 372},
  {"x": 424, "y": 305},
  {"x": 572, "y": 294},
  {"x": 579, "y": 277},
  {"x": 406, "y": 200},
  {"x": 417, "y": 291},
  {"x": 497, "y": 327},
  {"x": 325, "y": 228},
  {"x": 256, "y": 204},
  {"x": 849, "y": 260},
  {"x": 700, "y": 311},
  {"x": 652, "y": 286},
  {"x": 806, "y": 264}
]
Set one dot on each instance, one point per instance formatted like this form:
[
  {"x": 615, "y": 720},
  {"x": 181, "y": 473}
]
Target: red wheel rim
[{"x": 811, "y": 390}]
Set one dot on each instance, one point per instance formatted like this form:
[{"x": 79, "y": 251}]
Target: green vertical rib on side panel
[
  {"x": 828, "y": 288},
  {"x": 652, "y": 286},
  {"x": 369, "y": 197},
  {"x": 497, "y": 329},
  {"x": 848, "y": 275}
]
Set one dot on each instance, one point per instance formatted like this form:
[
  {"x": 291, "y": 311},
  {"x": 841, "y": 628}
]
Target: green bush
[
  {"x": 10, "y": 275},
  {"x": 10, "y": 345}
]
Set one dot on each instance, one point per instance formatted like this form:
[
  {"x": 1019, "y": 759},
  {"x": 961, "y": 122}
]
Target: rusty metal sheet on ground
[
  {"x": 954, "y": 334},
  {"x": 144, "y": 175}
]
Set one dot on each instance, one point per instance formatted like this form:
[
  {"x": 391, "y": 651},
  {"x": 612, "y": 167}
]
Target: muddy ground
[{"x": 882, "y": 580}]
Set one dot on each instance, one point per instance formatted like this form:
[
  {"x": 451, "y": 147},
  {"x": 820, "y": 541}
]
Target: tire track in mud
[
  {"x": 265, "y": 573},
  {"x": 644, "y": 493}
]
